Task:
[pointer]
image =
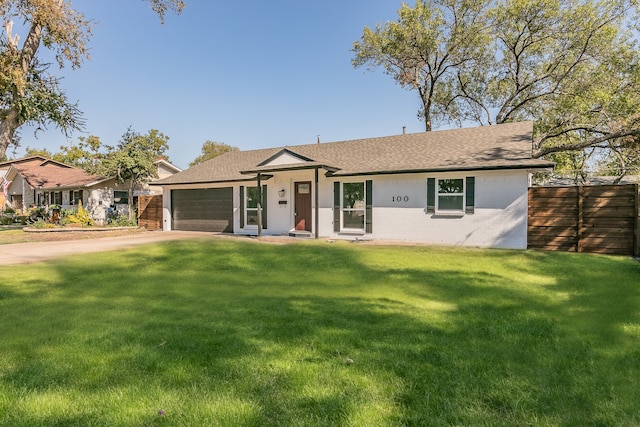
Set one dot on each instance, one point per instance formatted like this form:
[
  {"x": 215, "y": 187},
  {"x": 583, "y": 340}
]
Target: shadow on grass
[{"x": 325, "y": 335}]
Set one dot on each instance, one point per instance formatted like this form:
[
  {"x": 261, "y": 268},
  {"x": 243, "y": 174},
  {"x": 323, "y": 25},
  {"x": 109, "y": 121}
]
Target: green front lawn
[{"x": 218, "y": 332}]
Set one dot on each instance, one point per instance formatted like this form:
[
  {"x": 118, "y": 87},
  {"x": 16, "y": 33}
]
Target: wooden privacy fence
[
  {"x": 150, "y": 212},
  {"x": 598, "y": 219}
]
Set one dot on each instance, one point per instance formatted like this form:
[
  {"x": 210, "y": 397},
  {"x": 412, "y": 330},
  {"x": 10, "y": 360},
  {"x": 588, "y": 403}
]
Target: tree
[
  {"x": 43, "y": 152},
  {"x": 568, "y": 65},
  {"x": 29, "y": 93},
  {"x": 423, "y": 49},
  {"x": 211, "y": 149},
  {"x": 622, "y": 159},
  {"x": 131, "y": 162},
  {"x": 86, "y": 154}
]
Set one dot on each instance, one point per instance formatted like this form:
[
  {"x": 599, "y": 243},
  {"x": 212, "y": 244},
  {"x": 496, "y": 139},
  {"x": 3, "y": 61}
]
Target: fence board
[
  {"x": 614, "y": 202},
  {"x": 598, "y": 219},
  {"x": 553, "y": 192},
  {"x": 553, "y": 231},
  {"x": 552, "y": 222},
  {"x": 559, "y": 211}
]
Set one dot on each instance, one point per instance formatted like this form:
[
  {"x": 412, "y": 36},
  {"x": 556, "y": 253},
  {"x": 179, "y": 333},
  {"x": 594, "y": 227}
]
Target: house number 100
[{"x": 399, "y": 199}]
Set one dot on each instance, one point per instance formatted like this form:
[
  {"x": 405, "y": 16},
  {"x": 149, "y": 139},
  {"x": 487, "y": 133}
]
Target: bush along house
[{"x": 454, "y": 187}]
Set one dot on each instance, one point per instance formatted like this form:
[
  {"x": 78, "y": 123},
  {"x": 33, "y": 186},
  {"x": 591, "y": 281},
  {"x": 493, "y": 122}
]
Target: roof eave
[
  {"x": 221, "y": 181},
  {"x": 291, "y": 168},
  {"x": 532, "y": 167}
]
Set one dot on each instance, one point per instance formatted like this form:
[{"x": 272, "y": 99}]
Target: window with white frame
[
  {"x": 353, "y": 205},
  {"x": 450, "y": 195},
  {"x": 251, "y": 206}
]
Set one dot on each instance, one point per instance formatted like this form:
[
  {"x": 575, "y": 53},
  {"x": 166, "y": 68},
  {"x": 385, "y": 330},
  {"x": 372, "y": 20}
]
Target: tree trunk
[
  {"x": 8, "y": 127},
  {"x": 425, "y": 96},
  {"x": 130, "y": 202},
  {"x": 11, "y": 122}
]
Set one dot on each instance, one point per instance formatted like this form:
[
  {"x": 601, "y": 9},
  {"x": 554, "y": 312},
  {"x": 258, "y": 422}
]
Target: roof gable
[
  {"x": 50, "y": 174},
  {"x": 30, "y": 159},
  {"x": 169, "y": 168},
  {"x": 284, "y": 157}
]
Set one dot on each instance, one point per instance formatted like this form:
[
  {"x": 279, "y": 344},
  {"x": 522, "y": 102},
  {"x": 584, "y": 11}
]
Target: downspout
[{"x": 316, "y": 202}]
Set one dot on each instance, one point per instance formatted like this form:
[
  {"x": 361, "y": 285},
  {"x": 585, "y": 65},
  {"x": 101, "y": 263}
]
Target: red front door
[{"x": 302, "y": 209}]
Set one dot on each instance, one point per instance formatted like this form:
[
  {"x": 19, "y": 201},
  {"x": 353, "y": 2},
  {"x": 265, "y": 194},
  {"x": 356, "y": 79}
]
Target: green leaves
[
  {"x": 212, "y": 149},
  {"x": 29, "y": 94},
  {"x": 132, "y": 160},
  {"x": 423, "y": 49},
  {"x": 571, "y": 66}
]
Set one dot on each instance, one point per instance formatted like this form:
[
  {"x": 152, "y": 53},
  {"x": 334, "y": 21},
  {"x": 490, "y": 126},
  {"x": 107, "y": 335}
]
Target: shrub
[
  {"x": 40, "y": 223},
  {"x": 6, "y": 220},
  {"x": 34, "y": 213},
  {"x": 81, "y": 217},
  {"x": 22, "y": 219},
  {"x": 115, "y": 219}
]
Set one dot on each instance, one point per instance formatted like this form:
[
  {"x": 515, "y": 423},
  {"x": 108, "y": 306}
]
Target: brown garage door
[{"x": 202, "y": 209}]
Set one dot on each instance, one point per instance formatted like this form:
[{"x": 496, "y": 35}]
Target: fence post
[
  {"x": 580, "y": 219},
  {"x": 636, "y": 243}
]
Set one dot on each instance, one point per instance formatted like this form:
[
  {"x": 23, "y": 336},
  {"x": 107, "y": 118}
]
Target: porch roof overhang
[
  {"x": 220, "y": 181},
  {"x": 290, "y": 167}
]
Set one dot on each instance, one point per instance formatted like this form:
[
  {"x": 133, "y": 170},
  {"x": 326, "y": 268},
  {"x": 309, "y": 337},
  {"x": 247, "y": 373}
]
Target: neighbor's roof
[
  {"x": 505, "y": 146},
  {"x": 50, "y": 174}
]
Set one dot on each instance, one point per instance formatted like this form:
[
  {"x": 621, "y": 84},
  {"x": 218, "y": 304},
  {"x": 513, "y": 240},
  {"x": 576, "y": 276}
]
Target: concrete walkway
[{"x": 22, "y": 253}]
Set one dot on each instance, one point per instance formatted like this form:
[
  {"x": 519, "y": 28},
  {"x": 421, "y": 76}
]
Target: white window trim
[
  {"x": 460, "y": 211},
  {"x": 247, "y": 209},
  {"x": 343, "y": 209}
]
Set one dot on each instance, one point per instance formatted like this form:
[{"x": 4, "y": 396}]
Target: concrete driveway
[{"x": 22, "y": 253}]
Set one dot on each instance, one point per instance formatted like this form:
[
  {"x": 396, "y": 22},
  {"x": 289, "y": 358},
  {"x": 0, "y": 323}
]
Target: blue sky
[{"x": 252, "y": 74}]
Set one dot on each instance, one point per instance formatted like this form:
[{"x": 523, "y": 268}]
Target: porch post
[
  {"x": 259, "y": 206},
  {"x": 317, "y": 208}
]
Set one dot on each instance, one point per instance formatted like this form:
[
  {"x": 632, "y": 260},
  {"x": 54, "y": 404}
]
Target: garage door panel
[{"x": 203, "y": 209}]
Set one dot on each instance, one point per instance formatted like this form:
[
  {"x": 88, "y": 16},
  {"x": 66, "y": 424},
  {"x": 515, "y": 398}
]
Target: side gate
[
  {"x": 597, "y": 219},
  {"x": 150, "y": 212}
]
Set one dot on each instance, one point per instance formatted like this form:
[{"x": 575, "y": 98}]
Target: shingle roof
[
  {"x": 49, "y": 174},
  {"x": 505, "y": 146}
]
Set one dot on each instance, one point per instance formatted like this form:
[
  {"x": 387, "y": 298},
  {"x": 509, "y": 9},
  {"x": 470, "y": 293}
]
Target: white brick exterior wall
[{"x": 399, "y": 208}]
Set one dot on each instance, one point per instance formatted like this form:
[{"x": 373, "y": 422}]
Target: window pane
[
  {"x": 121, "y": 197},
  {"x": 353, "y": 195},
  {"x": 252, "y": 217},
  {"x": 252, "y": 198},
  {"x": 354, "y": 219},
  {"x": 450, "y": 203},
  {"x": 450, "y": 186},
  {"x": 304, "y": 189}
]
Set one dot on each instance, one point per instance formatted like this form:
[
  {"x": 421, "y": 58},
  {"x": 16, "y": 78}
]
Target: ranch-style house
[{"x": 456, "y": 187}]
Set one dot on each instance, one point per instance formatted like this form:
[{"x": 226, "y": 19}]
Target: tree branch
[{"x": 588, "y": 142}]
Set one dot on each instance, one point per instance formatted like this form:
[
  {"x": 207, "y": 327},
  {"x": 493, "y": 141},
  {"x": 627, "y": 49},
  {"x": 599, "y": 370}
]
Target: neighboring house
[
  {"x": 38, "y": 181},
  {"x": 459, "y": 187},
  {"x": 3, "y": 187},
  {"x": 165, "y": 169}
]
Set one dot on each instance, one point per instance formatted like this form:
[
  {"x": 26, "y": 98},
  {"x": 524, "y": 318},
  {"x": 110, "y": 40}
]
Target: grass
[
  {"x": 232, "y": 333},
  {"x": 15, "y": 234}
]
